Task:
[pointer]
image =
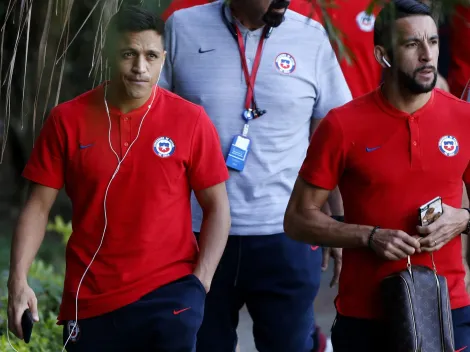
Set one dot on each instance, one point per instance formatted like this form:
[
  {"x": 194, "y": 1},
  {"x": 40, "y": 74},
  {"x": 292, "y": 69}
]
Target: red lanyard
[{"x": 250, "y": 80}]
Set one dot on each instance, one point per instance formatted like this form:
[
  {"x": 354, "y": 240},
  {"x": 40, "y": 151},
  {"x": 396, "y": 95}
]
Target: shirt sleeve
[
  {"x": 331, "y": 86},
  {"x": 166, "y": 78},
  {"x": 326, "y": 155},
  {"x": 207, "y": 164},
  {"x": 46, "y": 163}
]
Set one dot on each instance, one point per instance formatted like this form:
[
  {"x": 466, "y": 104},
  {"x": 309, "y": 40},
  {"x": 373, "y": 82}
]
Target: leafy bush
[
  {"x": 47, "y": 335},
  {"x": 47, "y": 283},
  {"x": 62, "y": 228}
]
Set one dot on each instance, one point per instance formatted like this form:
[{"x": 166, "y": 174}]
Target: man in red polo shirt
[
  {"x": 129, "y": 154},
  {"x": 390, "y": 152}
]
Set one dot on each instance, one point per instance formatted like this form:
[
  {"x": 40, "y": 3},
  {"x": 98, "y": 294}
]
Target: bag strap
[{"x": 408, "y": 265}]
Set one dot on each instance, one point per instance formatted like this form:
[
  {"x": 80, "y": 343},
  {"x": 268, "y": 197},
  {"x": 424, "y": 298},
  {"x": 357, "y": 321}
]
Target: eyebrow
[
  {"x": 416, "y": 39},
  {"x": 150, "y": 51}
]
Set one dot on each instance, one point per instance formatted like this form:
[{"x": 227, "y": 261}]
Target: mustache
[{"x": 281, "y": 4}]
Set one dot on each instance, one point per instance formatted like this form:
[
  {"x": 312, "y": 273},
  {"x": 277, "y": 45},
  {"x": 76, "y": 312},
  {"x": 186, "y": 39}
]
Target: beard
[
  {"x": 273, "y": 18},
  {"x": 411, "y": 83}
]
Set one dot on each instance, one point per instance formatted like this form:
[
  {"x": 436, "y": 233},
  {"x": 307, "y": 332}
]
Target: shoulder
[
  {"x": 443, "y": 96},
  {"x": 73, "y": 108},
  {"x": 178, "y": 106},
  {"x": 355, "y": 110},
  {"x": 451, "y": 110},
  {"x": 195, "y": 14},
  {"x": 307, "y": 25}
]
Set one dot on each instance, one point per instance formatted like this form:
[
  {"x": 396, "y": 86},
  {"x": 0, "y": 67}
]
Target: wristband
[
  {"x": 339, "y": 218},
  {"x": 467, "y": 230},
  {"x": 372, "y": 233}
]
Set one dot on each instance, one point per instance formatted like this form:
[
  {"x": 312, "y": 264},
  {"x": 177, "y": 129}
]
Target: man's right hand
[
  {"x": 20, "y": 298},
  {"x": 394, "y": 244}
]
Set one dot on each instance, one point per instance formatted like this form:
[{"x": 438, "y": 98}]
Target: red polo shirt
[
  {"x": 363, "y": 74},
  {"x": 388, "y": 163},
  {"x": 149, "y": 240},
  {"x": 459, "y": 68}
]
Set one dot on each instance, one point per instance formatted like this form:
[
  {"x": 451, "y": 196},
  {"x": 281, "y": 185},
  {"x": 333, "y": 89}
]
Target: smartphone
[
  {"x": 430, "y": 212},
  {"x": 27, "y": 325}
]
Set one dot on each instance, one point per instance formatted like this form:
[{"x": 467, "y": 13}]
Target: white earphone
[{"x": 386, "y": 62}]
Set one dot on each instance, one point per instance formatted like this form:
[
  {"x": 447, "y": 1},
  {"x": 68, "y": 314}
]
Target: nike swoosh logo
[
  {"x": 205, "y": 51},
  {"x": 314, "y": 248},
  {"x": 85, "y": 146},
  {"x": 368, "y": 150},
  {"x": 461, "y": 349},
  {"x": 176, "y": 312}
]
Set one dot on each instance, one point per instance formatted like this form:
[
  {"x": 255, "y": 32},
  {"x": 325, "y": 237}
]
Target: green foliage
[
  {"x": 62, "y": 228},
  {"x": 46, "y": 281},
  {"x": 47, "y": 335}
]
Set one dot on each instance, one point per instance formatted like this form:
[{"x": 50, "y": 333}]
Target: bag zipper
[
  {"x": 415, "y": 349},
  {"x": 439, "y": 304}
]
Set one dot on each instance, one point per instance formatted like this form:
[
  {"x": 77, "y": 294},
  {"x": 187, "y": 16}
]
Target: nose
[
  {"x": 426, "y": 54},
  {"x": 140, "y": 64}
]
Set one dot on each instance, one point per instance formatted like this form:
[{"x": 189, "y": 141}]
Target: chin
[
  {"x": 420, "y": 88},
  {"x": 273, "y": 19},
  {"x": 139, "y": 93}
]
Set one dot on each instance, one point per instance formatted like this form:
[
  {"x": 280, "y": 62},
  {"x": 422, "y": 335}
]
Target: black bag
[{"x": 418, "y": 317}]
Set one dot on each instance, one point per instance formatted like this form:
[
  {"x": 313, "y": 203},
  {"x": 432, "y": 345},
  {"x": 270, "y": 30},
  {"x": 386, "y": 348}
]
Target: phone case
[
  {"x": 27, "y": 325},
  {"x": 430, "y": 212}
]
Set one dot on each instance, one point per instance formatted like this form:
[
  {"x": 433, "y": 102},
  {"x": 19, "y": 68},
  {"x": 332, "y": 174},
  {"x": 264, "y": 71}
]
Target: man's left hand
[
  {"x": 451, "y": 223},
  {"x": 337, "y": 255}
]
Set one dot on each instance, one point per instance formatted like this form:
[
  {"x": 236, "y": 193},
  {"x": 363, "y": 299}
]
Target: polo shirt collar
[
  {"x": 231, "y": 19},
  {"x": 388, "y": 108}
]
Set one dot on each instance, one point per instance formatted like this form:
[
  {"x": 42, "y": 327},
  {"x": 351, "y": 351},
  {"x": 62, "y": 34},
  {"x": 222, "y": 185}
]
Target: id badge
[{"x": 238, "y": 152}]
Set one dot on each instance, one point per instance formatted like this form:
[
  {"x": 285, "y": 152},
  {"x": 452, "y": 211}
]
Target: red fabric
[
  {"x": 176, "y": 5},
  {"x": 459, "y": 68},
  {"x": 363, "y": 74},
  {"x": 149, "y": 240},
  {"x": 384, "y": 187}
]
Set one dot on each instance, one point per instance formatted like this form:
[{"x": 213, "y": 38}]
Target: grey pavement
[{"x": 324, "y": 313}]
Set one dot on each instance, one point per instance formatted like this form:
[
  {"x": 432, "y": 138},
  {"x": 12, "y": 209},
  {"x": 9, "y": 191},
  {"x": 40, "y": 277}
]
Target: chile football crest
[
  {"x": 449, "y": 146},
  {"x": 285, "y": 63},
  {"x": 164, "y": 147}
]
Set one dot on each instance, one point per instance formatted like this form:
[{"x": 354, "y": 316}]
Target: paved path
[{"x": 324, "y": 311}]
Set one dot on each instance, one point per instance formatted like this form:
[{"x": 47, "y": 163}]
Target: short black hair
[
  {"x": 131, "y": 18},
  {"x": 392, "y": 11}
]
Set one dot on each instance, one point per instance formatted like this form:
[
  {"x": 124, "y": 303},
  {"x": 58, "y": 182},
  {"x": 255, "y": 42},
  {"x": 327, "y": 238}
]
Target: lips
[
  {"x": 138, "y": 81},
  {"x": 426, "y": 70}
]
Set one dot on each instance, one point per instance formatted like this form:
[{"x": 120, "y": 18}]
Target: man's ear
[{"x": 382, "y": 57}]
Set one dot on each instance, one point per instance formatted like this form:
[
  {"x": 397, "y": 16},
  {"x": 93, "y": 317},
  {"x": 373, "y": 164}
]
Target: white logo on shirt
[
  {"x": 365, "y": 21},
  {"x": 285, "y": 63},
  {"x": 163, "y": 147},
  {"x": 448, "y": 145}
]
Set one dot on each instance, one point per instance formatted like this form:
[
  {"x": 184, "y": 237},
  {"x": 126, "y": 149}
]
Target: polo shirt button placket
[{"x": 415, "y": 152}]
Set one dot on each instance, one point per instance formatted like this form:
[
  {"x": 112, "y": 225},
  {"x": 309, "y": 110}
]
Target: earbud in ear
[{"x": 386, "y": 62}]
